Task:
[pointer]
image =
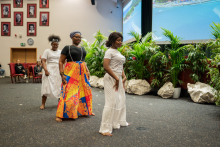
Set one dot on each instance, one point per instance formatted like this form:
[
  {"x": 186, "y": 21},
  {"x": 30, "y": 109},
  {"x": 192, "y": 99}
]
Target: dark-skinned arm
[
  {"x": 44, "y": 65},
  {"x": 110, "y": 72},
  {"x": 124, "y": 76},
  {"x": 61, "y": 64}
]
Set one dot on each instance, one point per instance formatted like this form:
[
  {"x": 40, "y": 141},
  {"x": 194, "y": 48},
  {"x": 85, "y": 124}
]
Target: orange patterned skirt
[{"x": 76, "y": 95}]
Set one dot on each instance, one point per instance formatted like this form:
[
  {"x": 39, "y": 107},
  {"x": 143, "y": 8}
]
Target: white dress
[
  {"x": 114, "y": 113},
  {"x": 51, "y": 85}
]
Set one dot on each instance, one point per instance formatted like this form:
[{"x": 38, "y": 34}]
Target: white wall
[{"x": 65, "y": 16}]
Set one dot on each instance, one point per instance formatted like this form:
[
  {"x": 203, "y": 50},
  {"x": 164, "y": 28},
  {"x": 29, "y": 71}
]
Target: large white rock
[
  {"x": 100, "y": 83},
  {"x": 166, "y": 91},
  {"x": 126, "y": 85},
  {"x": 93, "y": 81},
  {"x": 201, "y": 93},
  {"x": 138, "y": 87}
]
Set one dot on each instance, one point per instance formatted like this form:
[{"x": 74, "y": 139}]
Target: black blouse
[{"x": 75, "y": 53}]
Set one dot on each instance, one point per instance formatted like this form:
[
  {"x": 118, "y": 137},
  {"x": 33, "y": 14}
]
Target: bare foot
[
  {"x": 106, "y": 134},
  {"x": 93, "y": 114},
  {"x": 58, "y": 119},
  {"x": 42, "y": 107}
]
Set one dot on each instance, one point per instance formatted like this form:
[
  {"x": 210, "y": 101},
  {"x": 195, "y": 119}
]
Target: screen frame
[
  {"x": 186, "y": 41},
  {"x": 123, "y": 6},
  {"x": 147, "y": 22}
]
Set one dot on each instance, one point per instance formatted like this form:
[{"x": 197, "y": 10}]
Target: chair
[
  {"x": 34, "y": 76},
  {"x": 13, "y": 73},
  {"x": 26, "y": 67},
  {"x": 29, "y": 65}
]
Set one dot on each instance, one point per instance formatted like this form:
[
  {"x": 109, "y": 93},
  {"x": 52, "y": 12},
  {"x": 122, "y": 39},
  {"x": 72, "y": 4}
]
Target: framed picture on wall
[
  {"x": 5, "y": 28},
  {"x": 31, "y": 28},
  {"x": 18, "y": 18},
  {"x": 44, "y": 3},
  {"x": 6, "y": 10},
  {"x": 44, "y": 18},
  {"x": 18, "y": 3},
  {"x": 31, "y": 10}
]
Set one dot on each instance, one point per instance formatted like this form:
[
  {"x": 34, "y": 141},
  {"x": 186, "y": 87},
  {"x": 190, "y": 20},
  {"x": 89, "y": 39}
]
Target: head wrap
[
  {"x": 73, "y": 33},
  {"x": 55, "y": 40}
]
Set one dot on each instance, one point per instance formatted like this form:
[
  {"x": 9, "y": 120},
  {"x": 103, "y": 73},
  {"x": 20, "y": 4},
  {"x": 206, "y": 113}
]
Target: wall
[
  {"x": 65, "y": 17},
  {"x": 125, "y": 2}
]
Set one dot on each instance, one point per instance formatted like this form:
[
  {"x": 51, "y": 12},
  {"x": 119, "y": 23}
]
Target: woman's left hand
[{"x": 123, "y": 81}]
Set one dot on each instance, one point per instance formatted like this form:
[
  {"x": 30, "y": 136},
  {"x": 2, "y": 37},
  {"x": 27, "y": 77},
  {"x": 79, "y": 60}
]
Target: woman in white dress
[
  {"x": 51, "y": 79},
  {"x": 114, "y": 113}
]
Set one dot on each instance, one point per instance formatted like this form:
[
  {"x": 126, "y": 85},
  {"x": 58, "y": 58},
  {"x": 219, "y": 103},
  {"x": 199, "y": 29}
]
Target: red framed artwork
[
  {"x": 31, "y": 10},
  {"x": 44, "y": 18},
  {"x": 5, "y": 28},
  {"x": 18, "y": 18},
  {"x": 44, "y": 3},
  {"x": 6, "y": 10},
  {"x": 31, "y": 28},
  {"x": 18, "y": 3}
]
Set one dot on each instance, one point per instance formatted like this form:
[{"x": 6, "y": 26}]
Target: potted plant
[
  {"x": 176, "y": 61},
  {"x": 95, "y": 54},
  {"x": 136, "y": 69},
  {"x": 158, "y": 71},
  {"x": 137, "y": 56},
  {"x": 197, "y": 61},
  {"x": 214, "y": 69}
]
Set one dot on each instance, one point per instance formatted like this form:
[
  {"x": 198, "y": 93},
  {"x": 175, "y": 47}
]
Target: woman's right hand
[
  {"x": 116, "y": 85},
  {"x": 47, "y": 73},
  {"x": 64, "y": 79}
]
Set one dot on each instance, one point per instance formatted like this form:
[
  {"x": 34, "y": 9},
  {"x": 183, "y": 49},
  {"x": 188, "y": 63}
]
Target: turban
[{"x": 73, "y": 33}]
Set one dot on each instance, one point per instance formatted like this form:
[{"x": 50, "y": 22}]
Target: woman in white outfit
[
  {"x": 114, "y": 113},
  {"x": 51, "y": 79}
]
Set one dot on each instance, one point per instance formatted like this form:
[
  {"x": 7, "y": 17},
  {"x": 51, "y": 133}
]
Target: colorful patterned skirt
[{"x": 76, "y": 95}]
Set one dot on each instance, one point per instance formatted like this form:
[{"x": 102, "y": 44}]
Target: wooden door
[
  {"x": 25, "y": 55},
  {"x": 18, "y": 54},
  {"x": 31, "y": 56}
]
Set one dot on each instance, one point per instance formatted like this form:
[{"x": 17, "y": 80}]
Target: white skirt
[
  {"x": 51, "y": 85},
  {"x": 114, "y": 113}
]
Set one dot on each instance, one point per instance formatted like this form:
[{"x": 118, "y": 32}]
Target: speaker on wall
[{"x": 93, "y": 2}]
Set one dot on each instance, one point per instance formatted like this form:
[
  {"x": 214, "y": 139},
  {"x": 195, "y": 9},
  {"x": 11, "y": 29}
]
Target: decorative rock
[
  {"x": 126, "y": 85},
  {"x": 100, "y": 83},
  {"x": 138, "y": 87},
  {"x": 166, "y": 91},
  {"x": 201, "y": 93},
  {"x": 93, "y": 81}
]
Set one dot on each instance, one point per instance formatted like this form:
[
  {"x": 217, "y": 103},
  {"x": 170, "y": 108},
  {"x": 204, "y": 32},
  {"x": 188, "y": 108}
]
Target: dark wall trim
[{"x": 146, "y": 18}]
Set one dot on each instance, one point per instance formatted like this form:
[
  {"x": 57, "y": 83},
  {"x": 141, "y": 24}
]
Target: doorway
[{"x": 25, "y": 55}]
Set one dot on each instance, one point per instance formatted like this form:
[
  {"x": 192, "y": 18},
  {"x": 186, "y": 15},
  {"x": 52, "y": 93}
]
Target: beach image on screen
[
  {"x": 131, "y": 18},
  {"x": 188, "y": 19}
]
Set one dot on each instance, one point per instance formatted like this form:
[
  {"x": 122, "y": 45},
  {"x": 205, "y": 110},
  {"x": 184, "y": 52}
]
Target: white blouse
[
  {"x": 116, "y": 60},
  {"x": 51, "y": 56}
]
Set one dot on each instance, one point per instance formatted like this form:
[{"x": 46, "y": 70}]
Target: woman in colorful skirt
[
  {"x": 51, "y": 80},
  {"x": 76, "y": 93},
  {"x": 114, "y": 113}
]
